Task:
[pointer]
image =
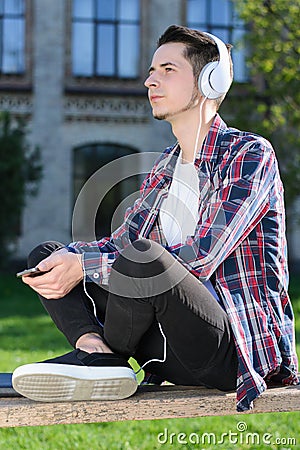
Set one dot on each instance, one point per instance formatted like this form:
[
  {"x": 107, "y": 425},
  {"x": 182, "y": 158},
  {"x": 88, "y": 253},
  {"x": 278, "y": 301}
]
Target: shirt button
[{"x": 96, "y": 275}]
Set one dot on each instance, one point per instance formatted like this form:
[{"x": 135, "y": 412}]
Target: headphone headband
[{"x": 215, "y": 79}]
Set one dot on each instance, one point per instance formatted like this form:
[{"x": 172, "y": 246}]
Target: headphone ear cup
[
  {"x": 215, "y": 78},
  {"x": 205, "y": 87}
]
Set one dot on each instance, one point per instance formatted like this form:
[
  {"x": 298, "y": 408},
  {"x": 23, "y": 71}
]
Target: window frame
[
  {"x": 109, "y": 86},
  {"x": 234, "y": 25},
  {"x": 9, "y": 16},
  {"x": 116, "y": 23},
  {"x": 22, "y": 81},
  {"x": 87, "y": 159}
]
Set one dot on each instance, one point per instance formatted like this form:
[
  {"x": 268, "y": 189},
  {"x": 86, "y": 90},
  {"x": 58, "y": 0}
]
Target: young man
[{"x": 194, "y": 284}]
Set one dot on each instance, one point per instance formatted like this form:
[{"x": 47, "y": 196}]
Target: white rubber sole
[{"x": 60, "y": 382}]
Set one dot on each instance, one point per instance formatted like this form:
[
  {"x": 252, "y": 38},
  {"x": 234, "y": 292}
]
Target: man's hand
[{"x": 63, "y": 271}]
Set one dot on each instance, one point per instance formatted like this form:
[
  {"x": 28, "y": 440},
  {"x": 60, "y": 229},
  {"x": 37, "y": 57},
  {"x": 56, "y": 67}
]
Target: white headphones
[{"x": 215, "y": 79}]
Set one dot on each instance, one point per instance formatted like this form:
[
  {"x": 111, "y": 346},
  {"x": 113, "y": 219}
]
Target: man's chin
[{"x": 160, "y": 116}]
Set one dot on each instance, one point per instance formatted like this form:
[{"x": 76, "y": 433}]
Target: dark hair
[{"x": 200, "y": 49}]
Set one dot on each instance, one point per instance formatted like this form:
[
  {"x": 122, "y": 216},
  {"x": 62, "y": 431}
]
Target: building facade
[{"x": 75, "y": 70}]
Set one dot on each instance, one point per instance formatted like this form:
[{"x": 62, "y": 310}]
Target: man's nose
[{"x": 151, "y": 81}]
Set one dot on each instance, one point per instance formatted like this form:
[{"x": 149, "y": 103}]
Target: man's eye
[{"x": 169, "y": 69}]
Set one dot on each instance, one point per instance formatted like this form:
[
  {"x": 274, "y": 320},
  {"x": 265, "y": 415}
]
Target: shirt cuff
[
  {"x": 95, "y": 267},
  {"x": 70, "y": 249}
]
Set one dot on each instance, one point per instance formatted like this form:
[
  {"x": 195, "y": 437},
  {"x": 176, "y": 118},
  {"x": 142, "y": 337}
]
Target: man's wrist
[{"x": 71, "y": 249}]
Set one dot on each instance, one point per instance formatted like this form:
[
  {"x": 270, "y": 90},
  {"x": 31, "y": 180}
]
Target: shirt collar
[
  {"x": 210, "y": 147},
  {"x": 209, "y": 150}
]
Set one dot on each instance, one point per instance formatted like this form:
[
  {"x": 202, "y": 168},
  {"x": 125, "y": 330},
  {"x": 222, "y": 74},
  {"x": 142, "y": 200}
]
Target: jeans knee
[
  {"x": 142, "y": 244},
  {"x": 146, "y": 250},
  {"x": 143, "y": 258},
  {"x": 41, "y": 252}
]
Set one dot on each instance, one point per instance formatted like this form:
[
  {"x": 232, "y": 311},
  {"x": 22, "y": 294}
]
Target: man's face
[{"x": 171, "y": 84}]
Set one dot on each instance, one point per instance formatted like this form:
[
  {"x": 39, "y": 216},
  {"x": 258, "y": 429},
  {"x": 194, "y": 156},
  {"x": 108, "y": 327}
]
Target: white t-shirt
[{"x": 179, "y": 211}]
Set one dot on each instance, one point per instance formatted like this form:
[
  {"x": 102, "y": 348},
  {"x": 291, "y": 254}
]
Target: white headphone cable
[
  {"x": 199, "y": 127},
  {"x": 92, "y": 300},
  {"x": 160, "y": 328},
  {"x": 156, "y": 359},
  {"x": 101, "y": 324},
  {"x": 159, "y": 325}
]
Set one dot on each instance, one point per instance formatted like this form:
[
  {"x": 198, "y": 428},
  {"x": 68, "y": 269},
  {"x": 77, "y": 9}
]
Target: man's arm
[
  {"x": 234, "y": 209},
  {"x": 62, "y": 272},
  {"x": 99, "y": 256}
]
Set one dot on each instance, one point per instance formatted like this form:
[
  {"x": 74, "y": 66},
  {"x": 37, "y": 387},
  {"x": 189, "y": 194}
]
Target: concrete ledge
[{"x": 150, "y": 402}]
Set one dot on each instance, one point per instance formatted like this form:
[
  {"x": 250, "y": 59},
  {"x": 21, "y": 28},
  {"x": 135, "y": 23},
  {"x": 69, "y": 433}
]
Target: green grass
[{"x": 27, "y": 335}]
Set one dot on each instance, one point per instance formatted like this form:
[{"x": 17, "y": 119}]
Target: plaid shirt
[{"x": 239, "y": 239}]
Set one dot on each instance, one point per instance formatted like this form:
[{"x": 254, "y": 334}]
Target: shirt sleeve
[
  {"x": 233, "y": 210},
  {"x": 99, "y": 256}
]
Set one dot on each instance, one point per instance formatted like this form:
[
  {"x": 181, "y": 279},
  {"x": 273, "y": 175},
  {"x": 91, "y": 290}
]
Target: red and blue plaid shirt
[{"x": 239, "y": 240}]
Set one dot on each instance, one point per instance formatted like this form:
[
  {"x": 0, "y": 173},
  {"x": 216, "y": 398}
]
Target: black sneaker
[
  {"x": 150, "y": 379},
  {"x": 76, "y": 376}
]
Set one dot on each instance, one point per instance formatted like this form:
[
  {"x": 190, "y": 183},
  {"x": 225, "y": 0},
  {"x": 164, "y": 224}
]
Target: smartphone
[
  {"x": 32, "y": 272},
  {"x": 6, "y": 388}
]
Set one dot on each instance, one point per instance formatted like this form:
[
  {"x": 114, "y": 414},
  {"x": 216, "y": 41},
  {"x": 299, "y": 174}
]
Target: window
[
  {"x": 12, "y": 36},
  {"x": 109, "y": 214},
  {"x": 105, "y": 38},
  {"x": 220, "y": 18}
]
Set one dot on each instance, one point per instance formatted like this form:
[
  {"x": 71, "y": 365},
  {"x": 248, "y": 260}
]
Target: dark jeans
[{"x": 149, "y": 287}]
